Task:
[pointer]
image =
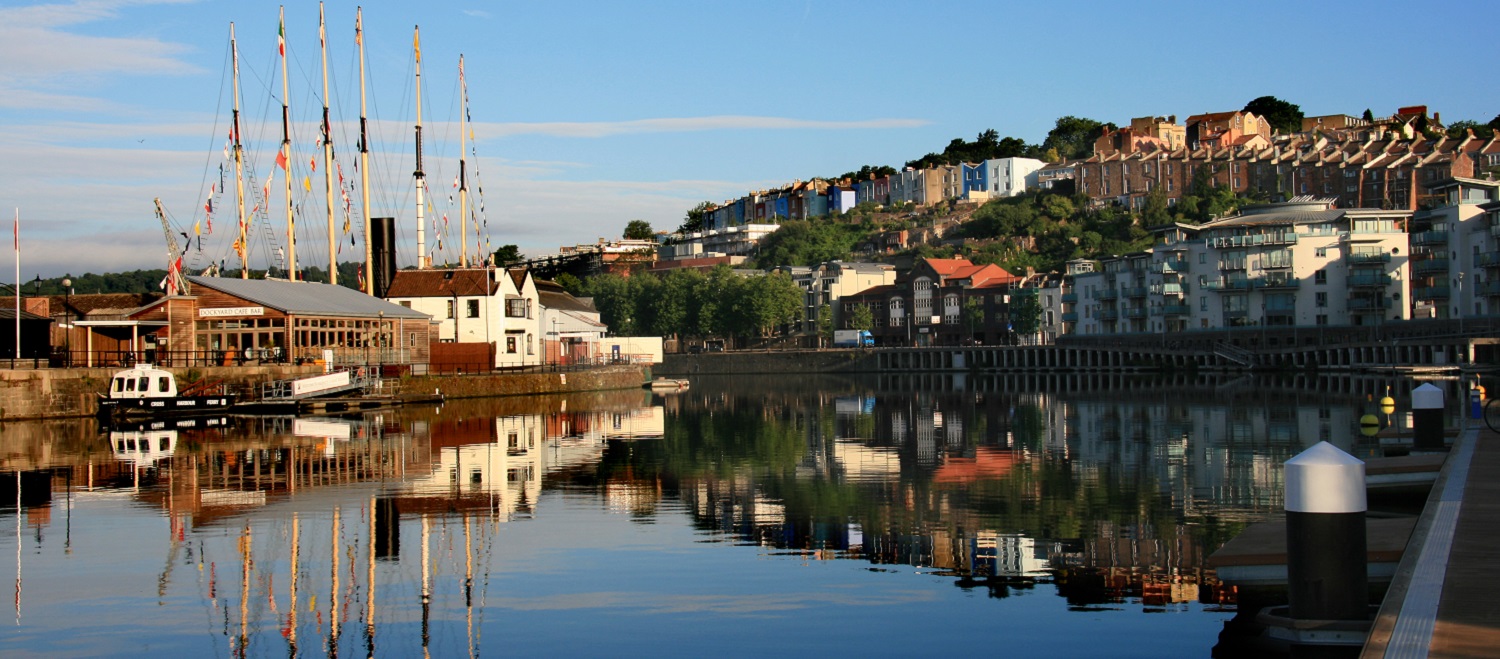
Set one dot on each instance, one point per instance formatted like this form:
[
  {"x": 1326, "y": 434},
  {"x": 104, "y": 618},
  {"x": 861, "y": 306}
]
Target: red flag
[
  {"x": 17, "y": 231},
  {"x": 281, "y": 160}
]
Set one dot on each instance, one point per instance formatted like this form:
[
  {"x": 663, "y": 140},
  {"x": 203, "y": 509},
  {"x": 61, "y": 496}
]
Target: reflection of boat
[
  {"x": 142, "y": 447},
  {"x": 666, "y": 385},
  {"x": 145, "y": 392}
]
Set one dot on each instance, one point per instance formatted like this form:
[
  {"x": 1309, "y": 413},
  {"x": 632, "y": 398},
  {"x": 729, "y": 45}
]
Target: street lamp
[{"x": 68, "y": 321}]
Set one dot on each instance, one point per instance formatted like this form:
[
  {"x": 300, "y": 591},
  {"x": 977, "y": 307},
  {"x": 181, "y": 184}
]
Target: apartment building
[
  {"x": 1451, "y": 240},
  {"x": 824, "y": 284},
  {"x": 1302, "y": 263},
  {"x": 926, "y": 306}
]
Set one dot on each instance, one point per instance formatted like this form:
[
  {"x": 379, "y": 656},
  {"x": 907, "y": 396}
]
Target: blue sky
[{"x": 592, "y": 114}]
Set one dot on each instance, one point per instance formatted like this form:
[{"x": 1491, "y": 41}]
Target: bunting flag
[
  {"x": 307, "y": 184},
  {"x": 265, "y": 191},
  {"x": 281, "y": 38},
  {"x": 281, "y": 160},
  {"x": 313, "y": 163},
  {"x": 416, "y": 46},
  {"x": 359, "y": 274},
  {"x": 198, "y": 229}
]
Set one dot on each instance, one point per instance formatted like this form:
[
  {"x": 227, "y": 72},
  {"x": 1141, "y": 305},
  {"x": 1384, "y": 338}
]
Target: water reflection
[{"x": 1103, "y": 494}]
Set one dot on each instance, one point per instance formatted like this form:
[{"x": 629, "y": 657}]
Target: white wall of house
[{"x": 510, "y": 319}]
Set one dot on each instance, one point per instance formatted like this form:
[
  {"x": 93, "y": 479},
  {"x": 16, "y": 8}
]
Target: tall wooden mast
[
  {"x": 364, "y": 152},
  {"x": 333, "y": 265},
  {"x": 286, "y": 153},
  {"x": 463, "y": 177},
  {"x": 421, "y": 178},
  {"x": 239, "y": 160}
]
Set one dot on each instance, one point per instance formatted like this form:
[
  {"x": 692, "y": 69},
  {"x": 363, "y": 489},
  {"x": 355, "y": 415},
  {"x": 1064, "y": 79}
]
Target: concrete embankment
[
  {"x": 744, "y": 362},
  {"x": 63, "y": 393}
]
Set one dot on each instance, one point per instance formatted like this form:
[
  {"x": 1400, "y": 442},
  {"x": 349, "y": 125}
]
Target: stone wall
[
  {"x": 800, "y": 361},
  {"x": 62, "y": 393}
]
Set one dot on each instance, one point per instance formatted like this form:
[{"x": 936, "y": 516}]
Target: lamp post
[
  {"x": 68, "y": 321},
  {"x": 380, "y": 339}
]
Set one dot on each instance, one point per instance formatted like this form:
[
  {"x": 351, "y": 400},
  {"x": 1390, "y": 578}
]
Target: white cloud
[{"x": 684, "y": 125}]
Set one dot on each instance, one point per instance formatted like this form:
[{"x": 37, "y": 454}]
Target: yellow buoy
[{"x": 1369, "y": 425}]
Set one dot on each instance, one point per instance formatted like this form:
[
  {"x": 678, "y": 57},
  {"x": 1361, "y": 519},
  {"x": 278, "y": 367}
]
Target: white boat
[
  {"x": 666, "y": 385},
  {"x": 147, "y": 392}
]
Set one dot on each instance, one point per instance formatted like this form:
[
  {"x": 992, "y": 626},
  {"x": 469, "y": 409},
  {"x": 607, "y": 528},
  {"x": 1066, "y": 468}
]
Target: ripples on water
[{"x": 1042, "y": 517}]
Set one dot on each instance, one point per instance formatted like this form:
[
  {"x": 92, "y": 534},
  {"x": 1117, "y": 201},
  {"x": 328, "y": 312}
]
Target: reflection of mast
[
  {"x": 469, "y": 585},
  {"x": 18, "y": 546},
  {"x": 291, "y": 616},
  {"x": 426, "y": 584},
  {"x": 244, "y": 592},
  {"x": 333, "y": 587},
  {"x": 421, "y": 178},
  {"x": 370, "y": 590}
]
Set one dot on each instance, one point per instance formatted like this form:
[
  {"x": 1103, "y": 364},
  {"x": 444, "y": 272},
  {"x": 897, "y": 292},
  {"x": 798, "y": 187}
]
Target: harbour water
[{"x": 745, "y": 516}]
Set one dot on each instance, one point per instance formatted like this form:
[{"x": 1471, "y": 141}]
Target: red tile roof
[{"x": 442, "y": 283}]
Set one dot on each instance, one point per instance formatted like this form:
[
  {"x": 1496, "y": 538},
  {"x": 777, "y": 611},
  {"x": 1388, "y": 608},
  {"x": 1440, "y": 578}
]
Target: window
[
  {"x": 517, "y": 308},
  {"x": 530, "y": 349},
  {"x": 163, "y": 384},
  {"x": 1322, "y": 319},
  {"x": 1320, "y": 299},
  {"x": 411, "y": 339},
  {"x": 1202, "y": 303},
  {"x": 450, "y": 308},
  {"x": 510, "y": 345},
  {"x": 1320, "y": 277},
  {"x": 1321, "y": 252},
  {"x": 473, "y": 308},
  {"x": 406, "y": 303}
]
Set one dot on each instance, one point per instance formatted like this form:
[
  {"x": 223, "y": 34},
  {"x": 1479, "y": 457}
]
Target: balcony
[
  {"x": 1227, "y": 285},
  {"x": 1135, "y": 312},
  {"x": 1369, "y": 257},
  {"x": 1369, "y": 280},
  {"x": 1431, "y": 237},
  {"x": 1070, "y": 298},
  {"x": 1232, "y": 264},
  {"x": 1279, "y": 281},
  {"x": 1487, "y": 260},
  {"x": 1432, "y": 293},
  {"x": 1070, "y": 316},
  {"x": 1109, "y": 315},
  {"x": 1280, "y": 307},
  {"x": 1430, "y": 266},
  {"x": 1170, "y": 267},
  {"x": 1135, "y": 291},
  {"x": 1107, "y": 294},
  {"x": 1171, "y": 310},
  {"x": 1167, "y": 289},
  {"x": 1368, "y": 304},
  {"x": 1256, "y": 240}
]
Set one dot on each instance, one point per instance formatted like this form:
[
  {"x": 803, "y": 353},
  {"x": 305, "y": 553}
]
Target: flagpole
[
  {"x": 364, "y": 153},
  {"x": 286, "y": 152},
  {"x": 17, "y": 227},
  {"x": 333, "y": 265}
]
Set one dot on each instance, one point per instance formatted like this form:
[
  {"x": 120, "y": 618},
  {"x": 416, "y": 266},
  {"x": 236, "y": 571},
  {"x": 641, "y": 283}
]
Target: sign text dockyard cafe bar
[{"x": 234, "y": 321}]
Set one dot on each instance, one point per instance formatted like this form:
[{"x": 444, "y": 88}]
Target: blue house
[{"x": 976, "y": 180}]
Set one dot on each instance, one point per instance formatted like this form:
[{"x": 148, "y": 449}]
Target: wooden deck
[{"x": 1441, "y": 602}]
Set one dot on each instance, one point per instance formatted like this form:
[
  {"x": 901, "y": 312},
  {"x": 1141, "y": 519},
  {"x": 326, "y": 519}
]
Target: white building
[
  {"x": 823, "y": 285},
  {"x": 493, "y": 306}
]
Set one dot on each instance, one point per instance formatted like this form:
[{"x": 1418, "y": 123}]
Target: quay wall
[{"x": 74, "y": 392}]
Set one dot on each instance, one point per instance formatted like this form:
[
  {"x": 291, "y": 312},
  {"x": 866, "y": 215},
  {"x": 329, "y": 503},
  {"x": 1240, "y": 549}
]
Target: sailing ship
[{"x": 253, "y": 204}]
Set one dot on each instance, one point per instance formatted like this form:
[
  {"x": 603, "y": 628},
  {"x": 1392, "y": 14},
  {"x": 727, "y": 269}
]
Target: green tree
[
  {"x": 1155, "y": 211},
  {"x": 1369, "y": 116},
  {"x": 696, "y": 217},
  {"x": 861, "y": 318},
  {"x": 613, "y": 298},
  {"x": 508, "y": 255},
  {"x": 1073, "y": 137},
  {"x": 1025, "y": 313},
  {"x": 825, "y": 323},
  {"x": 1458, "y": 129},
  {"x": 638, "y": 230},
  {"x": 1283, "y": 116},
  {"x": 800, "y": 242},
  {"x": 571, "y": 284},
  {"x": 973, "y": 315}
]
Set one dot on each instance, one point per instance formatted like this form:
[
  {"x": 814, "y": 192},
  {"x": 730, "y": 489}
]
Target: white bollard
[
  {"x": 1327, "y": 576},
  {"x": 1427, "y": 418}
]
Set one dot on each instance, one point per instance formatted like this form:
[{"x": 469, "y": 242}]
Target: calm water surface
[{"x": 1049, "y": 517}]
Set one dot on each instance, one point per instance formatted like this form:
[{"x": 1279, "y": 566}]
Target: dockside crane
[{"x": 175, "y": 283}]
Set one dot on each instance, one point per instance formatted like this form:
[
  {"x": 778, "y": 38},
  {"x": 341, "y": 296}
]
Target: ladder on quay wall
[
  {"x": 1232, "y": 353},
  {"x": 359, "y": 379}
]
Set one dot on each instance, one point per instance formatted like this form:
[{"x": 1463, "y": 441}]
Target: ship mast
[
  {"x": 239, "y": 159},
  {"x": 364, "y": 151},
  {"x": 418, "y": 175},
  {"x": 463, "y": 182},
  {"x": 286, "y": 152},
  {"x": 333, "y": 266}
]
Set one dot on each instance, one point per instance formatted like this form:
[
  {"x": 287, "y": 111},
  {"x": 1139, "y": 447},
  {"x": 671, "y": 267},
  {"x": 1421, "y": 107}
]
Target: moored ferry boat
[{"x": 148, "y": 392}]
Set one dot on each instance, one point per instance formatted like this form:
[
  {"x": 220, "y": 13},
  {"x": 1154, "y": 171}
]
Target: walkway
[{"x": 1443, "y": 601}]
